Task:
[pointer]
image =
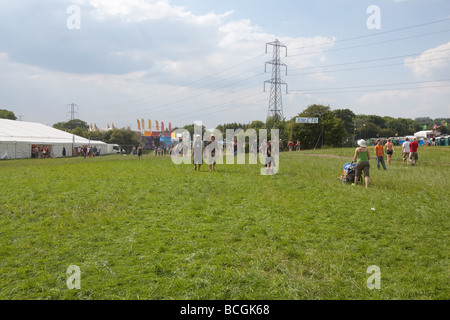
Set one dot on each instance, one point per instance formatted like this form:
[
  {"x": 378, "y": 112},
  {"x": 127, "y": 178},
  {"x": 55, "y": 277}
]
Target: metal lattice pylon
[{"x": 276, "y": 99}]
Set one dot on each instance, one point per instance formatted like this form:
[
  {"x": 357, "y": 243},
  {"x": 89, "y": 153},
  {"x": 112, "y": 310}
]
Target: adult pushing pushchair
[{"x": 348, "y": 174}]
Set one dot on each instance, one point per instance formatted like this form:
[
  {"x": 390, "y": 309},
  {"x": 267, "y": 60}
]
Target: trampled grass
[{"x": 149, "y": 229}]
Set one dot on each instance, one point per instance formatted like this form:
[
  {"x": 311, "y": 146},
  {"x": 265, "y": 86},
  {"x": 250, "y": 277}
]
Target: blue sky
[{"x": 183, "y": 61}]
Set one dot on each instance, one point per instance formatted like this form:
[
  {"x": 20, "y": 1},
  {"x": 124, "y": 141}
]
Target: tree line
[
  {"x": 333, "y": 126},
  {"x": 125, "y": 137}
]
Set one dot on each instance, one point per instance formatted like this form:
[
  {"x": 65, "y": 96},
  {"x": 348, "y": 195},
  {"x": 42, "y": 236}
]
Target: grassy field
[{"x": 148, "y": 229}]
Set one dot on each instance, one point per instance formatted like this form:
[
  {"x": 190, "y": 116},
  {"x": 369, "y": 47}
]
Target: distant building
[
  {"x": 426, "y": 134},
  {"x": 94, "y": 128}
]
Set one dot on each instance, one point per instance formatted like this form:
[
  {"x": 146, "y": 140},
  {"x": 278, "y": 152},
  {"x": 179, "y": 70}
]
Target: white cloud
[
  {"x": 433, "y": 62},
  {"x": 134, "y": 11},
  {"x": 431, "y": 99},
  {"x": 142, "y": 54}
]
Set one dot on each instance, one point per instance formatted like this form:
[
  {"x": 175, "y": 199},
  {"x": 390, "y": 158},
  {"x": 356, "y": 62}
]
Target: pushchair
[{"x": 348, "y": 174}]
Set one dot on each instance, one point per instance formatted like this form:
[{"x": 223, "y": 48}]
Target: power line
[
  {"x": 372, "y": 34},
  {"x": 185, "y": 84},
  {"x": 275, "y": 110},
  {"x": 72, "y": 111},
  {"x": 368, "y": 44},
  {"x": 372, "y": 60},
  {"x": 376, "y": 90},
  {"x": 369, "y": 67},
  {"x": 372, "y": 85},
  {"x": 185, "y": 100}
]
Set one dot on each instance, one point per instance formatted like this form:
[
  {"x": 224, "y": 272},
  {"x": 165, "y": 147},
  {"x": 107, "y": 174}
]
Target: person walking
[
  {"x": 64, "y": 152},
  {"x": 361, "y": 158},
  {"x": 413, "y": 155},
  {"x": 389, "y": 148},
  {"x": 139, "y": 151},
  {"x": 269, "y": 158},
  {"x": 211, "y": 148},
  {"x": 379, "y": 151},
  {"x": 197, "y": 152},
  {"x": 290, "y": 144},
  {"x": 405, "y": 151},
  {"x": 298, "y": 145}
]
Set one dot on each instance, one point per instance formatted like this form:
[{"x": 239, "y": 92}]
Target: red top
[{"x": 413, "y": 146}]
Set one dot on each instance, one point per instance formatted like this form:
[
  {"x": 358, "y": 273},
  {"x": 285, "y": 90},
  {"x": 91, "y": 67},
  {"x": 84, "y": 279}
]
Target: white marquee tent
[{"x": 18, "y": 137}]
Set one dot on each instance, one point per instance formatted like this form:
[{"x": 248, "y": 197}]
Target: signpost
[{"x": 307, "y": 120}]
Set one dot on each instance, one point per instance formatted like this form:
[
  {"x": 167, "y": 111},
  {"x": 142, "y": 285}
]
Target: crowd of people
[
  {"x": 41, "y": 152},
  {"x": 362, "y": 156},
  {"x": 87, "y": 151}
]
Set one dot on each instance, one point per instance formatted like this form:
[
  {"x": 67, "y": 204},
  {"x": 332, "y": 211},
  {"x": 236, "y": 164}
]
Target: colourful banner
[
  {"x": 147, "y": 133},
  {"x": 170, "y": 127},
  {"x": 157, "y": 125},
  {"x": 149, "y": 124},
  {"x": 139, "y": 125},
  {"x": 143, "y": 124},
  {"x": 162, "y": 126}
]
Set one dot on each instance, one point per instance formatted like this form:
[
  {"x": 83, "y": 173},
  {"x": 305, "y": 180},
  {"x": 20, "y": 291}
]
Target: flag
[
  {"x": 149, "y": 125},
  {"x": 143, "y": 124},
  {"x": 170, "y": 127},
  {"x": 139, "y": 125},
  {"x": 157, "y": 125},
  {"x": 162, "y": 126}
]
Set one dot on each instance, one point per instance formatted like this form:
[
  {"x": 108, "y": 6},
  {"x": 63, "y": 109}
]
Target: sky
[{"x": 185, "y": 61}]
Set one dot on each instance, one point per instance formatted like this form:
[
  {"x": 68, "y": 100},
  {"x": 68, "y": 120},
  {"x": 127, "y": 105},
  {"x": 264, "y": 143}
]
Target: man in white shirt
[{"x": 405, "y": 150}]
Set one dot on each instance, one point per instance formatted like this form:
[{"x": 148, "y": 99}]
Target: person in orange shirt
[{"x": 379, "y": 151}]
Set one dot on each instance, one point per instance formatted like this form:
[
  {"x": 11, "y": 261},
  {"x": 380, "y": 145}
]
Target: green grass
[{"x": 148, "y": 229}]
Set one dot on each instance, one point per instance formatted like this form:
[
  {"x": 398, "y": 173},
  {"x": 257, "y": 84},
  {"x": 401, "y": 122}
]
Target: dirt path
[{"x": 324, "y": 155}]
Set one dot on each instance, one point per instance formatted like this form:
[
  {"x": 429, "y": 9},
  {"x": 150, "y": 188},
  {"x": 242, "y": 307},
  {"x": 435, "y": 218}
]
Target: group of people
[
  {"x": 137, "y": 151},
  {"x": 291, "y": 145},
  {"x": 362, "y": 156},
  {"x": 198, "y": 151},
  {"x": 39, "y": 152},
  {"x": 88, "y": 151},
  {"x": 212, "y": 150}
]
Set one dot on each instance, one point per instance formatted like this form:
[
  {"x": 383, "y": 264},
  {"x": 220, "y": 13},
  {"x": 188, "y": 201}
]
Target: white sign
[{"x": 307, "y": 120}]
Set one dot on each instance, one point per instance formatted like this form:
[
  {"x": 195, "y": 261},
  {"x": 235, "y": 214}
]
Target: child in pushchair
[{"x": 348, "y": 174}]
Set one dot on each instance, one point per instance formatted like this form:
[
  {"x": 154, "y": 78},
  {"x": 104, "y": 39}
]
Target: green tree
[
  {"x": 78, "y": 131},
  {"x": 190, "y": 128},
  {"x": 256, "y": 125},
  {"x": 329, "y": 131},
  {"x": 6, "y": 114},
  {"x": 125, "y": 137},
  {"x": 347, "y": 116},
  {"x": 71, "y": 124}
]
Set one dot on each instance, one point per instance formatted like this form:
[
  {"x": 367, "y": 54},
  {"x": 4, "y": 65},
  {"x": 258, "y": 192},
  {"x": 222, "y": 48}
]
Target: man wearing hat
[{"x": 362, "y": 157}]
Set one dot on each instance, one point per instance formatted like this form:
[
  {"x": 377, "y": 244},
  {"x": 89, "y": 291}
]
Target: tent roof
[{"x": 32, "y": 132}]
